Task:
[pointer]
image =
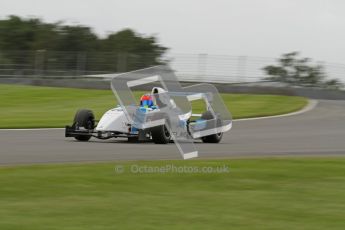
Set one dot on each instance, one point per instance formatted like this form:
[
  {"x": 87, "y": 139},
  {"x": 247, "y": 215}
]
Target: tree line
[
  {"x": 300, "y": 71},
  {"x": 65, "y": 46}
]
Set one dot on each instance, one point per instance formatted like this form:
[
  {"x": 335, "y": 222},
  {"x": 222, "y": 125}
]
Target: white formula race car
[{"x": 115, "y": 123}]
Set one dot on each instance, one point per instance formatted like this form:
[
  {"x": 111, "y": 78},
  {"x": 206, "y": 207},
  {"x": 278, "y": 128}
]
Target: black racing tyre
[
  {"x": 160, "y": 135},
  {"x": 214, "y": 138},
  {"x": 84, "y": 118}
]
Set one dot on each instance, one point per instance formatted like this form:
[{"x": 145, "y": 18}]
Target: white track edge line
[{"x": 310, "y": 106}]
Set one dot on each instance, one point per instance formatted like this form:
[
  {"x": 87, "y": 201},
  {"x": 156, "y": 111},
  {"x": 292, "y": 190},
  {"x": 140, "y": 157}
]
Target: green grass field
[
  {"x": 32, "y": 106},
  {"x": 275, "y": 193}
]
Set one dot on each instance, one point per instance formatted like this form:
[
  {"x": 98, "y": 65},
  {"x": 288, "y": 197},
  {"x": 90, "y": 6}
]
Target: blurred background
[{"x": 31, "y": 48}]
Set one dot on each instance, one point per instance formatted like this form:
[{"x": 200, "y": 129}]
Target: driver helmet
[{"x": 146, "y": 101}]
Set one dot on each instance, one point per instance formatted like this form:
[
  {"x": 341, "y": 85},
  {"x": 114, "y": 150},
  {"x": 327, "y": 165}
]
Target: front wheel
[
  {"x": 84, "y": 118},
  {"x": 133, "y": 139},
  {"x": 160, "y": 135}
]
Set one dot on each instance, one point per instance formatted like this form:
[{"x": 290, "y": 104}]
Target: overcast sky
[{"x": 233, "y": 27}]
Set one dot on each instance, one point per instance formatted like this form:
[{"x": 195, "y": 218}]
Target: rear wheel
[
  {"x": 213, "y": 138},
  {"x": 160, "y": 135},
  {"x": 84, "y": 118}
]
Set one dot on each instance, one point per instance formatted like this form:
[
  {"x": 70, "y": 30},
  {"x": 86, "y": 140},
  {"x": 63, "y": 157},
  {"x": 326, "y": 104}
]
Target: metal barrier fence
[
  {"x": 188, "y": 67},
  {"x": 219, "y": 68}
]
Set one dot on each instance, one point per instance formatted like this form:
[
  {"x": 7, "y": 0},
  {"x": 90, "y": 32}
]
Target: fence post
[
  {"x": 122, "y": 62},
  {"x": 39, "y": 62},
  {"x": 202, "y": 67},
  {"x": 81, "y": 63},
  {"x": 241, "y": 69}
]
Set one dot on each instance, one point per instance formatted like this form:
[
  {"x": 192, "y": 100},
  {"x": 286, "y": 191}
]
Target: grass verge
[
  {"x": 33, "y": 106},
  {"x": 275, "y": 193}
]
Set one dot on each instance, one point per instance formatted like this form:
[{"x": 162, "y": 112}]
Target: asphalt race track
[{"x": 320, "y": 131}]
